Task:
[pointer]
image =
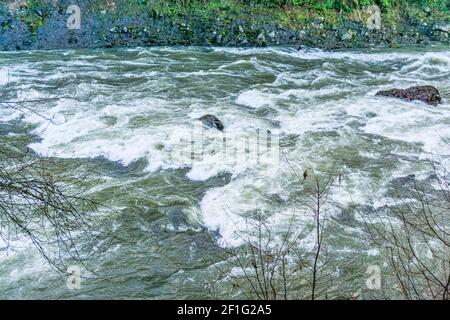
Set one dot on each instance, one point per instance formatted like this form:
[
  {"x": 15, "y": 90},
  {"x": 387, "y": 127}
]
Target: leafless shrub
[
  {"x": 414, "y": 236},
  {"x": 273, "y": 264},
  {"x": 39, "y": 198}
]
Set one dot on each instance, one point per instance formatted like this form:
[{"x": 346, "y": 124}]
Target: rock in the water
[
  {"x": 427, "y": 94},
  {"x": 212, "y": 122}
]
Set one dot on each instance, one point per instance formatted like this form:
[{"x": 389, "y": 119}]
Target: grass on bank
[
  {"x": 278, "y": 11},
  {"x": 286, "y": 10}
]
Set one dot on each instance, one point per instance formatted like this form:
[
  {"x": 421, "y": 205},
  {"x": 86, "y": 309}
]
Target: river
[{"x": 170, "y": 216}]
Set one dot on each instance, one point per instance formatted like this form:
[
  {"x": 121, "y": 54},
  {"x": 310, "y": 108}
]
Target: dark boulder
[
  {"x": 212, "y": 122},
  {"x": 427, "y": 94}
]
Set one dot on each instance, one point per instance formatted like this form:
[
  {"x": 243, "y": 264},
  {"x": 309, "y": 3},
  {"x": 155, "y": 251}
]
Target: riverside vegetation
[{"x": 331, "y": 24}]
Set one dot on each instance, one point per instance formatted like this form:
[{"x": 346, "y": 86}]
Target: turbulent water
[{"x": 134, "y": 109}]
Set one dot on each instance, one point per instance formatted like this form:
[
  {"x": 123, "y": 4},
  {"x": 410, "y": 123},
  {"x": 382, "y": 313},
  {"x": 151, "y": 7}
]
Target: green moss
[
  {"x": 34, "y": 13},
  {"x": 292, "y": 13}
]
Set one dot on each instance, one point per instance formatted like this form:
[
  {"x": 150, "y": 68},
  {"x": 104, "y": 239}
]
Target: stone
[
  {"x": 442, "y": 27},
  {"x": 211, "y": 121},
  {"x": 347, "y": 36},
  {"x": 427, "y": 10},
  {"x": 261, "y": 39},
  {"x": 428, "y": 94}
]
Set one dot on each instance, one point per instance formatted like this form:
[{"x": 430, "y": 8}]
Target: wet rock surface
[
  {"x": 427, "y": 94},
  {"x": 211, "y": 121}
]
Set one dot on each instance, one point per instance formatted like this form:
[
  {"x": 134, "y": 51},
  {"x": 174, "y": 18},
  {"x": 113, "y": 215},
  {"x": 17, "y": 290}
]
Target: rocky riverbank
[{"x": 35, "y": 24}]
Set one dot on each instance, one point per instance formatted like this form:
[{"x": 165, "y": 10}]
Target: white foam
[
  {"x": 254, "y": 99},
  {"x": 154, "y": 121},
  {"x": 5, "y": 76}
]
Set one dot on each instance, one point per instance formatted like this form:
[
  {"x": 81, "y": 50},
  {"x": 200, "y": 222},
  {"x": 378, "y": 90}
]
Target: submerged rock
[
  {"x": 212, "y": 122},
  {"x": 427, "y": 94}
]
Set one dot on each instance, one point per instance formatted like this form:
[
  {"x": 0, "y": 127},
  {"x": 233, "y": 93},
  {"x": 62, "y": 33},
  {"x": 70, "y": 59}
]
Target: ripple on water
[{"x": 142, "y": 104}]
